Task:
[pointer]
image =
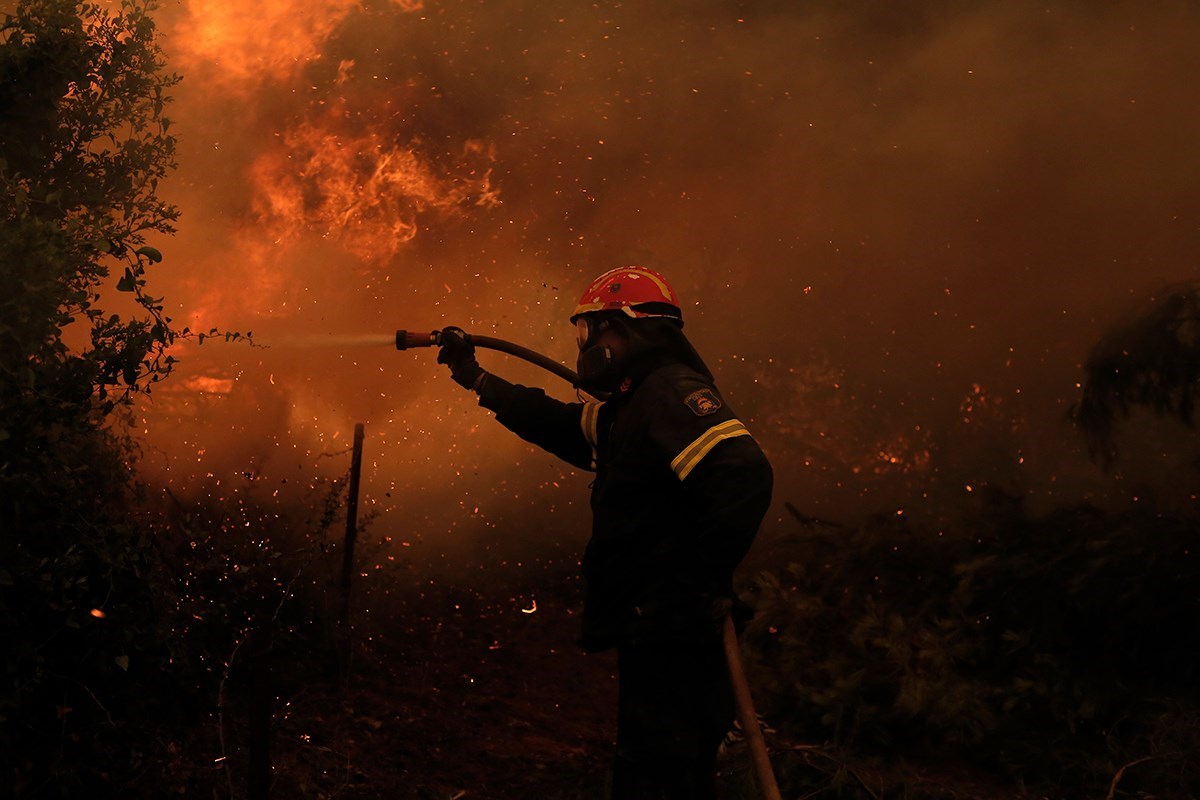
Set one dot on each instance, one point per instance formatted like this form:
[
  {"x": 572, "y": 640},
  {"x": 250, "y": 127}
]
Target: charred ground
[{"x": 1013, "y": 655}]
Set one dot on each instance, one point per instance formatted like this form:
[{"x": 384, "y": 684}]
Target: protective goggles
[{"x": 587, "y": 330}]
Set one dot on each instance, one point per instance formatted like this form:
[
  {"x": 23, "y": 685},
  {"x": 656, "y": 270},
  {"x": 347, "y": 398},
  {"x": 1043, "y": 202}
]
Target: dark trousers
[{"x": 674, "y": 709}]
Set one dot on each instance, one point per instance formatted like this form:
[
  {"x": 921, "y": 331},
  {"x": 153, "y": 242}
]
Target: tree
[
  {"x": 83, "y": 146},
  {"x": 1152, "y": 361}
]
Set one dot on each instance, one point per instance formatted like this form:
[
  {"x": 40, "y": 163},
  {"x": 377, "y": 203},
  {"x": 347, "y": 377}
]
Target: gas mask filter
[{"x": 596, "y": 366}]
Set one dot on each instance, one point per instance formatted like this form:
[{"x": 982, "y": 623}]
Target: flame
[
  {"x": 345, "y": 172},
  {"x": 331, "y": 178},
  {"x": 239, "y": 48},
  {"x": 205, "y": 383}
]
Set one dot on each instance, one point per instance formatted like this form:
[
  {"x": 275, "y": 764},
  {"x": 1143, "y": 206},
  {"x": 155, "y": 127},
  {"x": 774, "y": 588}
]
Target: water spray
[{"x": 406, "y": 340}]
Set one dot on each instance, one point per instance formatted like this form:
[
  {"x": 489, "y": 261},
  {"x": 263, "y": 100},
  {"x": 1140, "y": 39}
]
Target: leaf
[
  {"x": 122, "y": 662},
  {"x": 151, "y": 253},
  {"x": 127, "y": 283}
]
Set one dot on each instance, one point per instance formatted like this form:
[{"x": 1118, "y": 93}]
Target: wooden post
[
  {"x": 351, "y": 524},
  {"x": 749, "y": 719},
  {"x": 258, "y": 734}
]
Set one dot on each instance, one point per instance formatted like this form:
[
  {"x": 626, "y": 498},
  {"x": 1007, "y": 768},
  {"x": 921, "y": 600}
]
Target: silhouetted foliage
[
  {"x": 83, "y": 145},
  {"x": 1152, "y": 361},
  {"x": 123, "y": 634},
  {"x": 254, "y": 621},
  {"x": 1051, "y": 649}
]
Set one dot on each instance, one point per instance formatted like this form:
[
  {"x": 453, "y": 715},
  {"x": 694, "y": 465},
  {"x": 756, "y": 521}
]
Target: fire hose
[
  {"x": 737, "y": 675},
  {"x": 407, "y": 339}
]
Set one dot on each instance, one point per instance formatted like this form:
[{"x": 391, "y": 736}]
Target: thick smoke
[{"x": 896, "y": 233}]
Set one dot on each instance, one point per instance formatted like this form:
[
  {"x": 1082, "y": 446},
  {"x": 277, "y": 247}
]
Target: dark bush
[{"x": 1053, "y": 648}]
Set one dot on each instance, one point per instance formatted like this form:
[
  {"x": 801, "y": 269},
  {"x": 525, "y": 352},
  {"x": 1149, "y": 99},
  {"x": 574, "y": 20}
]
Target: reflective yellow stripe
[
  {"x": 695, "y": 452},
  {"x": 589, "y": 422}
]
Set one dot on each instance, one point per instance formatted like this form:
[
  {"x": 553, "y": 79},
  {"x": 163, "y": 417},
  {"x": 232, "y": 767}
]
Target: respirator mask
[{"x": 597, "y": 366}]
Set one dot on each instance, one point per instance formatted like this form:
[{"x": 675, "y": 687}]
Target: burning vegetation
[{"x": 340, "y": 179}]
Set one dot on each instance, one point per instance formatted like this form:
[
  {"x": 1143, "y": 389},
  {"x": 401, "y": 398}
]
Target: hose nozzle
[{"x": 407, "y": 339}]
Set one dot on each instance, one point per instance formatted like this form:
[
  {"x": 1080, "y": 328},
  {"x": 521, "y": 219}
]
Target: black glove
[{"x": 459, "y": 354}]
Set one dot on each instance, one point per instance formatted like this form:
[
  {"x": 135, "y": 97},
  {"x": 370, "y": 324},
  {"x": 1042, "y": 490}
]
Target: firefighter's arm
[
  {"x": 725, "y": 475},
  {"x": 567, "y": 430},
  {"x": 730, "y": 488}
]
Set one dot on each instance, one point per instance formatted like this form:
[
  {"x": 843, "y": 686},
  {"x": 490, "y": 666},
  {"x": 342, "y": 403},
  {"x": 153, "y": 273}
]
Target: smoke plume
[{"x": 896, "y": 229}]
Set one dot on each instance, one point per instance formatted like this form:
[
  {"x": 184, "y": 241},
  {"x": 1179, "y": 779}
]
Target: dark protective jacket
[{"x": 680, "y": 490}]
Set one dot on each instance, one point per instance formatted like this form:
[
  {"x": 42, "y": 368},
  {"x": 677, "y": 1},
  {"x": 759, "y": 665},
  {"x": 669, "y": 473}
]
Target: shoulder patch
[{"x": 703, "y": 402}]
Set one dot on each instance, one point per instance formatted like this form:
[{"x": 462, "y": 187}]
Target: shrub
[{"x": 1044, "y": 647}]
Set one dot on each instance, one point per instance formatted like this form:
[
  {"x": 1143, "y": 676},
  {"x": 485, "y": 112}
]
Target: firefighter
[{"x": 680, "y": 490}]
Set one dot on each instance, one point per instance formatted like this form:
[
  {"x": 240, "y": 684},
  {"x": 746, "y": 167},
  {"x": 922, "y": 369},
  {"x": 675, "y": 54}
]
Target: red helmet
[{"x": 637, "y": 291}]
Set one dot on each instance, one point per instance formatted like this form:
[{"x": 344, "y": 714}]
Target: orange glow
[
  {"x": 331, "y": 178},
  {"x": 203, "y": 383},
  {"x": 342, "y": 166},
  {"x": 220, "y": 40}
]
